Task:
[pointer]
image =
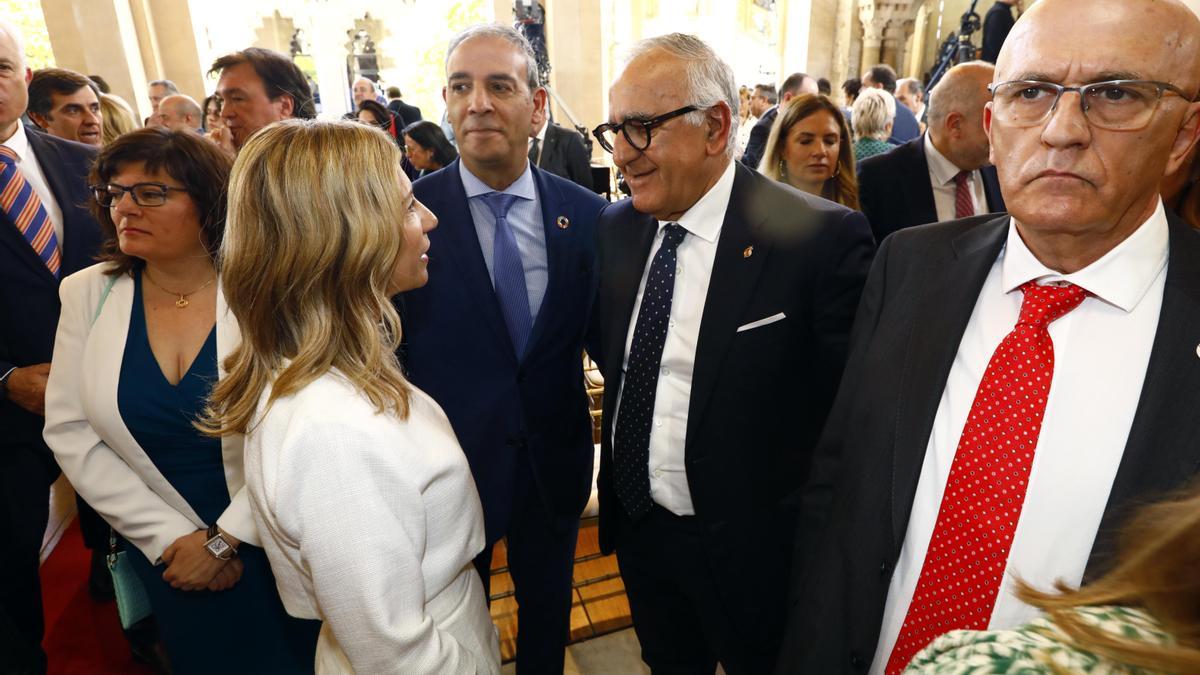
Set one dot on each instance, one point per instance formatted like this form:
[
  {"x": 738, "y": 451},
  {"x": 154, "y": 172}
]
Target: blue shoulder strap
[{"x": 103, "y": 296}]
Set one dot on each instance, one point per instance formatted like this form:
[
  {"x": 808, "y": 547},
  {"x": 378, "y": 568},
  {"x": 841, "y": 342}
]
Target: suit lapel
[
  {"x": 991, "y": 189},
  {"x": 1164, "y": 440},
  {"x": 919, "y": 191},
  {"x": 462, "y": 246},
  {"x": 734, "y": 279},
  {"x": 625, "y": 265},
  {"x": 936, "y": 328},
  {"x": 54, "y": 169},
  {"x": 558, "y": 248}
]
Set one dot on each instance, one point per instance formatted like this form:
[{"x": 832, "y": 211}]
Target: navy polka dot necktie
[{"x": 631, "y": 441}]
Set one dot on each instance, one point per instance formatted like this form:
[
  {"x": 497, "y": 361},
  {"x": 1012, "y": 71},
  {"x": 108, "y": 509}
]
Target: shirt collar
[
  {"x": 942, "y": 169},
  {"x": 541, "y": 136},
  {"x": 1120, "y": 278},
  {"x": 18, "y": 143},
  {"x": 707, "y": 215},
  {"x": 522, "y": 187}
]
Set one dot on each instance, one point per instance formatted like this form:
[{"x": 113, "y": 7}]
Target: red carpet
[{"x": 82, "y": 636}]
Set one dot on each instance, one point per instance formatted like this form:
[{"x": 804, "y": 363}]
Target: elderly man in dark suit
[
  {"x": 497, "y": 335},
  {"x": 942, "y": 175},
  {"x": 46, "y": 235},
  {"x": 725, "y": 303},
  {"x": 1017, "y": 384},
  {"x": 560, "y": 151}
]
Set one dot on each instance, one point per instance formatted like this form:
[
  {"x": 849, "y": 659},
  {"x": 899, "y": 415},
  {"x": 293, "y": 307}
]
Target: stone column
[
  {"x": 74, "y": 28},
  {"x": 575, "y": 49}
]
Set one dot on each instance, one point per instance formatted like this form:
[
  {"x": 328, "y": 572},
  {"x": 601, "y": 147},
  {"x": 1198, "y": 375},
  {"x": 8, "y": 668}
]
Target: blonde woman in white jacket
[
  {"x": 137, "y": 350},
  {"x": 362, "y": 494}
]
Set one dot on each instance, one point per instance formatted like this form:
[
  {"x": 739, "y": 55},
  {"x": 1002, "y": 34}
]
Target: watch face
[{"x": 218, "y": 546}]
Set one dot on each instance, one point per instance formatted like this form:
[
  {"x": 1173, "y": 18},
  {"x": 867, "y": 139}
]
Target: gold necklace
[{"x": 182, "y": 302}]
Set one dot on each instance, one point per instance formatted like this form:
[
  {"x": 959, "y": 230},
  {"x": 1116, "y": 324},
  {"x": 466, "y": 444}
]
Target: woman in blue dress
[{"x": 139, "y": 345}]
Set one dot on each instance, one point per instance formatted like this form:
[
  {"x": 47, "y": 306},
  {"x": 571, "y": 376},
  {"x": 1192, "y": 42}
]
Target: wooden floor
[{"x": 599, "y": 606}]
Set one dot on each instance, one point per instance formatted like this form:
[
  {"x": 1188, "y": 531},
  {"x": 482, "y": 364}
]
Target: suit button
[{"x": 883, "y": 569}]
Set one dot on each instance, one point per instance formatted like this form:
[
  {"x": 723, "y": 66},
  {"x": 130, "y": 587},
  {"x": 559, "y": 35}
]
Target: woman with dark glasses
[{"x": 139, "y": 341}]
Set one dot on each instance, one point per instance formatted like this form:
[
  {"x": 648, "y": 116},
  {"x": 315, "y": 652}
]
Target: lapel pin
[
  {"x": 1197, "y": 350},
  {"x": 748, "y": 252},
  {"x": 563, "y": 223}
]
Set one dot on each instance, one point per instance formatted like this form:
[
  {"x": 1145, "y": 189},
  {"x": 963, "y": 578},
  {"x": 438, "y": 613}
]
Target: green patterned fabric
[
  {"x": 1033, "y": 647},
  {"x": 869, "y": 147}
]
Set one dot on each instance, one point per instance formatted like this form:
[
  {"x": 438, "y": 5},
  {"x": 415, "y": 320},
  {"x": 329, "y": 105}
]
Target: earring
[{"x": 782, "y": 169}]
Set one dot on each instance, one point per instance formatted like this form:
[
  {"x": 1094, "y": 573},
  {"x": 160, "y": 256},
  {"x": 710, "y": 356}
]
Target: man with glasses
[
  {"x": 46, "y": 234},
  {"x": 497, "y": 335},
  {"x": 725, "y": 302},
  {"x": 1017, "y": 384}
]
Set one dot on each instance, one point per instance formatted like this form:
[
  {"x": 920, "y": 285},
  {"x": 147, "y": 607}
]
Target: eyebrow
[{"x": 1100, "y": 77}]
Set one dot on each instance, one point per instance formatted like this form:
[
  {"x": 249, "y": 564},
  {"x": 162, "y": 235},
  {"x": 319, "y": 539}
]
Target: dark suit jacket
[
  {"x": 407, "y": 113},
  {"x": 894, "y": 189},
  {"x": 457, "y": 349},
  {"x": 997, "y": 24},
  {"x": 563, "y": 154},
  {"x": 905, "y": 126},
  {"x": 759, "y": 397},
  {"x": 28, "y": 291},
  {"x": 923, "y": 287},
  {"x": 757, "y": 145}
]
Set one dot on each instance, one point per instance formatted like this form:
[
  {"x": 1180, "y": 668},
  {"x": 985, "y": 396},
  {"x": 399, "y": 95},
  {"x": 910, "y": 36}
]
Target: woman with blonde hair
[
  {"x": 366, "y": 504},
  {"x": 118, "y": 118},
  {"x": 809, "y": 148},
  {"x": 873, "y": 113},
  {"x": 1141, "y": 617}
]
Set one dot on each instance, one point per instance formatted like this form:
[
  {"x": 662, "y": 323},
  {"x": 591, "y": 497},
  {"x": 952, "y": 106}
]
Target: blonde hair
[
  {"x": 118, "y": 118},
  {"x": 310, "y": 245},
  {"x": 842, "y": 187},
  {"x": 874, "y": 109},
  {"x": 1156, "y": 571}
]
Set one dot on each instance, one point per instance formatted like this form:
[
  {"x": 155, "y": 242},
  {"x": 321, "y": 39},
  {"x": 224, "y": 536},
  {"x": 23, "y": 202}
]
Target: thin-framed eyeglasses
[
  {"x": 636, "y": 131},
  {"x": 1116, "y": 105},
  {"x": 144, "y": 194}
]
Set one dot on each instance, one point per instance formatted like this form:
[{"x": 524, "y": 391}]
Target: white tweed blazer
[{"x": 370, "y": 524}]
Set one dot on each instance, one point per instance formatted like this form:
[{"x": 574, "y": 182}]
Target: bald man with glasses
[{"x": 1016, "y": 384}]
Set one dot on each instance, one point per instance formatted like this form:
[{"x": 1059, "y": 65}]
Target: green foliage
[
  {"x": 425, "y": 74},
  {"x": 27, "y": 16}
]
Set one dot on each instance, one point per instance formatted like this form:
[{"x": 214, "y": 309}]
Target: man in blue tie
[
  {"x": 497, "y": 335},
  {"x": 46, "y": 234}
]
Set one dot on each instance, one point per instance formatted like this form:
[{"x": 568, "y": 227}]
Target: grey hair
[
  {"x": 709, "y": 79},
  {"x": 874, "y": 109},
  {"x": 910, "y": 85},
  {"x": 169, "y": 85},
  {"x": 509, "y": 35},
  {"x": 17, "y": 36}
]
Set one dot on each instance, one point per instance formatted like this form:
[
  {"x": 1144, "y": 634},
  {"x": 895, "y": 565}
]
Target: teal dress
[{"x": 241, "y": 630}]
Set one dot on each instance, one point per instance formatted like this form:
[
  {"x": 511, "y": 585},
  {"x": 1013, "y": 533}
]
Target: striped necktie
[{"x": 25, "y": 210}]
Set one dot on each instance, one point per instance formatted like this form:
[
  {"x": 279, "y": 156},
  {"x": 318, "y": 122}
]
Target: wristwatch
[{"x": 218, "y": 546}]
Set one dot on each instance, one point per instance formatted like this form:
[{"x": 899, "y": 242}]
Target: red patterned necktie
[
  {"x": 25, "y": 210},
  {"x": 985, "y": 490},
  {"x": 964, "y": 206}
]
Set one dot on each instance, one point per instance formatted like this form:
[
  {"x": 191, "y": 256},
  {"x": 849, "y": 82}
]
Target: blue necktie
[
  {"x": 631, "y": 441},
  {"x": 508, "y": 274}
]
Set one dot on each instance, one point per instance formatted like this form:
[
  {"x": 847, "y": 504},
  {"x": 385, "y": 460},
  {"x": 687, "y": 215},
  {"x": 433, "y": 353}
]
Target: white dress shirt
[
  {"x": 694, "y": 264},
  {"x": 27, "y": 164},
  {"x": 941, "y": 178},
  {"x": 1101, "y": 350},
  {"x": 541, "y": 140},
  {"x": 525, "y": 220}
]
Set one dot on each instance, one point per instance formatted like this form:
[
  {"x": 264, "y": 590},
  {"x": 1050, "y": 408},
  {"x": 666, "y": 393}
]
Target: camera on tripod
[{"x": 958, "y": 47}]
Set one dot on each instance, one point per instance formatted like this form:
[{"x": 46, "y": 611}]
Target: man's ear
[
  {"x": 39, "y": 119},
  {"x": 287, "y": 105},
  {"x": 1185, "y": 139},
  {"x": 719, "y": 120},
  {"x": 987, "y": 129}
]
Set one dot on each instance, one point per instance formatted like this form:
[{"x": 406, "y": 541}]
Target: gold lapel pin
[
  {"x": 748, "y": 252},
  {"x": 563, "y": 223}
]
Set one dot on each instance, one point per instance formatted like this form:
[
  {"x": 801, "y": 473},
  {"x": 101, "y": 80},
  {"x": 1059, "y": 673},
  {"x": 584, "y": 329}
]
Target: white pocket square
[{"x": 763, "y": 322}]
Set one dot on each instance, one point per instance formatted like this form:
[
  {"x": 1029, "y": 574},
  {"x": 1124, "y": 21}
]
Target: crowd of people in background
[{"x": 305, "y": 375}]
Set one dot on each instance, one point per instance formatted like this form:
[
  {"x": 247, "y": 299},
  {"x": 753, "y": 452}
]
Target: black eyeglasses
[
  {"x": 636, "y": 131},
  {"x": 144, "y": 194},
  {"x": 1117, "y": 105}
]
